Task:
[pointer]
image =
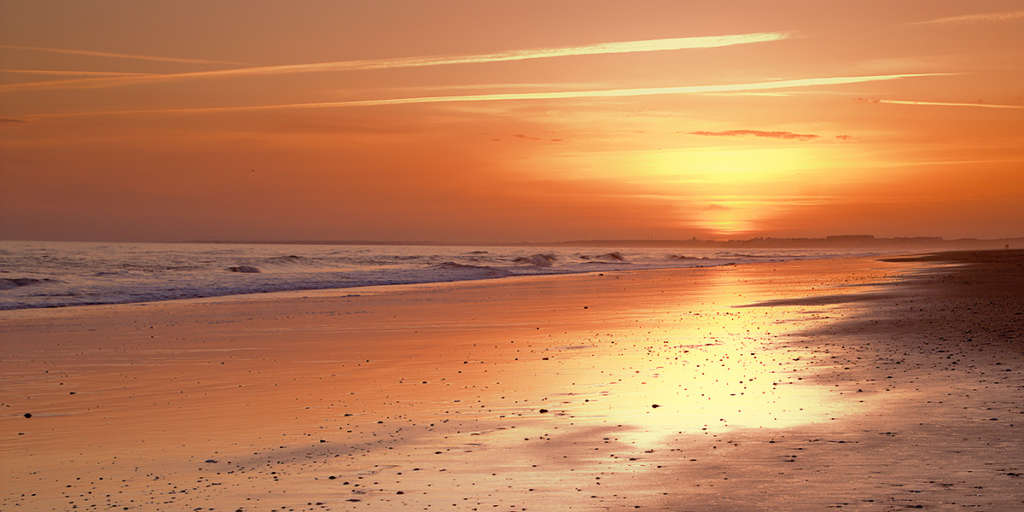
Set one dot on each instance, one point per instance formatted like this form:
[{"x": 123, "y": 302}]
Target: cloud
[
  {"x": 601, "y": 93},
  {"x": 11, "y": 120},
  {"x": 648, "y": 45},
  {"x": 523, "y": 136},
  {"x": 69, "y": 72},
  {"x": 759, "y": 133},
  {"x": 775, "y": 94},
  {"x": 90, "y": 53},
  {"x": 844, "y": 137},
  {"x": 947, "y": 104},
  {"x": 974, "y": 18},
  {"x": 481, "y": 86}
]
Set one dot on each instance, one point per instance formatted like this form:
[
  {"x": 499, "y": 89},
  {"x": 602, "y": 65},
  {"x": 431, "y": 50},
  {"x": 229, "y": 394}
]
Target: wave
[
  {"x": 475, "y": 269},
  {"x": 614, "y": 255},
  {"x": 16, "y": 282},
  {"x": 751, "y": 256},
  {"x": 290, "y": 258},
  {"x": 608, "y": 256},
  {"x": 182, "y": 267},
  {"x": 245, "y": 269},
  {"x": 539, "y": 260}
]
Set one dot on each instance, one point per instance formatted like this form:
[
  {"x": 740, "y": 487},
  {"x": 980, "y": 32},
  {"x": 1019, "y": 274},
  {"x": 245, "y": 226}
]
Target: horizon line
[{"x": 822, "y": 238}]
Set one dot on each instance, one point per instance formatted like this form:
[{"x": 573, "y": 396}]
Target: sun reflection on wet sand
[{"x": 505, "y": 393}]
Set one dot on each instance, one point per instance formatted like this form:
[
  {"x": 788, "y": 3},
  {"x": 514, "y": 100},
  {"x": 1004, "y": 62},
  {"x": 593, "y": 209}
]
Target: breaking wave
[{"x": 539, "y": 260}]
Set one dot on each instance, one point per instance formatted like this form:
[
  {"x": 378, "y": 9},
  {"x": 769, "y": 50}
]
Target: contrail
[
  {"x": 601, "y": 93},
  {"x": 972, "y": 18},
  {"x": 69, "y": 72},
  {"x": 649, "y": 45},
  {"x": 948, "y": 104},
  {"x": 112, "y": 55}
]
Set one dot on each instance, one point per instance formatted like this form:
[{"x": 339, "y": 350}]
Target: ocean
[{"x": 57, "y": 274}]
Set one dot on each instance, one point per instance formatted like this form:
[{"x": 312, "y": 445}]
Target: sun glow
[
  {"x": 728, "y": 190},
  {"x": 727, "y": 219},
  {"x": 734, "y": 166}
]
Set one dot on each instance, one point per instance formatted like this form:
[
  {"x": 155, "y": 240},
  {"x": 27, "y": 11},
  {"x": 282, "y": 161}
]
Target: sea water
[{"x": 54, "y": 274}]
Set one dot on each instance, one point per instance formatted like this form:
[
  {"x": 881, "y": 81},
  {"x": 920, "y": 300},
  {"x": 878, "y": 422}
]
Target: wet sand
[{"x": 839, "y": 384}]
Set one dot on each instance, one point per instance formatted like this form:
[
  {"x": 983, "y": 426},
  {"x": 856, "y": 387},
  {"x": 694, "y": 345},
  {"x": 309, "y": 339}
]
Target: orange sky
[{"x": 508, "y": 121}]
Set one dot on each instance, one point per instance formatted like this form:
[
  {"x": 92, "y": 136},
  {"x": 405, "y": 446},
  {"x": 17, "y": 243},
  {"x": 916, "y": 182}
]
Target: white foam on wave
[{"x": 538, "y": 260}]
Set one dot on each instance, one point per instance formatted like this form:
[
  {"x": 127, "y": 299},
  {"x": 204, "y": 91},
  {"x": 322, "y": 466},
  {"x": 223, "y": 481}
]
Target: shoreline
[
  {"x": 501, "y": 274},
  {"x": 286, "y": 293},
  {"x": 432, "y": 394}
]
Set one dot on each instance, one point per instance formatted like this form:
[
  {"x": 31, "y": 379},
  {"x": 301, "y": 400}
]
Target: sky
[{"x": 510, "y": 121}]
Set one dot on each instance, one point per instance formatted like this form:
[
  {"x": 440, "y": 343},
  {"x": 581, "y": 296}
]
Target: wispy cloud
[
  {"x": 481, "y": 86},
  {"x": 923, "y": 163},
  {"x": 111, "y": 55},
  {"x": 758, "y": 133},
  {"x": 602, "y": 93},
  {"x": 554, "y": 95},
  {"x": 948, "y": 104},
  {"x": 69, "y": 72},
  {"x": 772, "y": 94},
  {"x": 523, "y": 136},
  {"x": 5, "y": 120},
  {"x": 649, "y": 45},
  {"x": 975, "y": 18}
]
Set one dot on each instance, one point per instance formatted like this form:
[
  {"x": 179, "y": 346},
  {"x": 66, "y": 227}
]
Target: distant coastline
[
  {"x": 831, "y": 241},
  {"x": 924, "y": 243}
]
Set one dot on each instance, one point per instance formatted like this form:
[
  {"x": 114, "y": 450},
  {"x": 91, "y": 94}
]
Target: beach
[{"x": 847, "y": 383}]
